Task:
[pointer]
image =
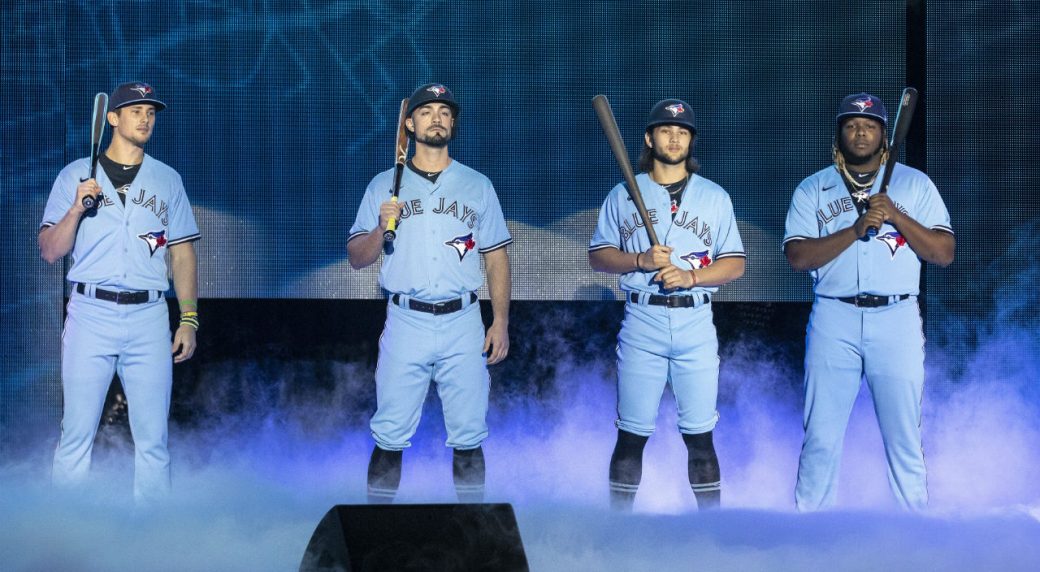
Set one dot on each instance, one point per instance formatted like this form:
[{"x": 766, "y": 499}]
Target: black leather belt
[
  {"x": 872, "y": 301},
  {"x": 446, "y": 307},
  {"x": 671, "y": 301},
  {"x": 136, "y": 297}
]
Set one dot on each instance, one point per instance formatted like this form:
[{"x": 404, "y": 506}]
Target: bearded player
[
  {"x": 667, "y": 336},
  {"x": 449, "y": 216},
  {"x": 865, "y": 319}
]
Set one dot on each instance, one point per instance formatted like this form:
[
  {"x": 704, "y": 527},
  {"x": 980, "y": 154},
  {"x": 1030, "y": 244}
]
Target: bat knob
[
  {"x": 871, "y": 231},
  {"x": 389, "y": 235},
  {"x": 90, "y": 202}
]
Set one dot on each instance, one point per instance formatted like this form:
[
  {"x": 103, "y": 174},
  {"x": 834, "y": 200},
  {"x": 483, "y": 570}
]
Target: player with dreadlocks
[{"x": 865, "y": 318}]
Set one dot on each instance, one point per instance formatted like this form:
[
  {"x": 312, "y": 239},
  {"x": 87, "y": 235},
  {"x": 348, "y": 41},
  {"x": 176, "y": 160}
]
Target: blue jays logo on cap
[
  {"x": 893, "y": 240},
  {"x": 429, "y": 93},
  {"x": 676, "y": 109},
  {"x": 671, "y": 112},
  {"x": 155, "y": 240},
  {"x": 134, "y": 93},
  {"x": 862, "y": 105},
  {"x": 462, "y": 244},
  {"x": 697, "y": 259},
  {"x": 143, "y": 88}
]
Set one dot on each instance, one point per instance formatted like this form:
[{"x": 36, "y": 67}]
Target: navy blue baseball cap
[
  {"x": 134, "y": 93},
  {"x": 672, "y": 112},
  {"x": 862, "y": 105},
  {"x": 430, "y": 93}
]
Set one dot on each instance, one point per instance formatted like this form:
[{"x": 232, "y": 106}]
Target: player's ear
[
  {"x": 113, "y": 118},
  {"x": 648, "y": 139}
]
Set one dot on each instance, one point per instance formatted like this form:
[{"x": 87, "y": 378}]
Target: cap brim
[
  {"x": 843, "y": 116},
  {"x": 159, "y": 106}
]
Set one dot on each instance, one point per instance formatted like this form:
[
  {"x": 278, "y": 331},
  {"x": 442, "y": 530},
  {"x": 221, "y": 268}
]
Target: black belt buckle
[{"x": 444, "y": 307}]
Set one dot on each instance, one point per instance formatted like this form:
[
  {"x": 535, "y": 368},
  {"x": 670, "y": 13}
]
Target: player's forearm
[
  {"x": 613, "y": 261},
  {"x": 184, "y": 264},
  {"x": 365, "y": 249},
  {"x": 720, "y": 272},
  {"x": 932, "y": 246},
  {"x": 500, "y": 284},
  {"x": 812, "y": 253},
  {"x": 56, "y": 241}
]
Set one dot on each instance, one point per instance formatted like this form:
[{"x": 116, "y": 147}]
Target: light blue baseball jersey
[
  {"x": 704, "y": 229},
  {"x": 123, "y": 247},
  {"x": 443, "y": 225},
  {"x": 883, "y": 265}
]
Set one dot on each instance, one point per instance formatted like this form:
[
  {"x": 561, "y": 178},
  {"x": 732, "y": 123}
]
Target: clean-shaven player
[{"x": 117, "y": 316}]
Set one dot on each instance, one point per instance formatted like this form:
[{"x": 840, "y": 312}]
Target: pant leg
[
  {"x": 693, "y": 370},
  {"x": 642, "y": 364},
  {"x": 403, "y": 373},
  {"x": 145, "y": 368},
  {"x": 462, "y": 379},
  {"x": 88, "y": 361},
  {"x": 894, "y": 363},
  {"x": 833, "y": 371}
]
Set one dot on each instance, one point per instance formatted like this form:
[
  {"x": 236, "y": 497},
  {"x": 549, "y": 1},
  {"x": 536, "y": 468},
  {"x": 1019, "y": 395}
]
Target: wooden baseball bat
[
  {"x": 610, "y": 129},
  {"x": 97, "y": 130},
  {"x": 907, "y": 103},
  {"x": 400, "y": 156}
]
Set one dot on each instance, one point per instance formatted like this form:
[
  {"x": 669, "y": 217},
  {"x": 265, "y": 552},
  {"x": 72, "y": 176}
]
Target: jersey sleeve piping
[
  {"x": 796, "y": 237},
  {"x": 502, "y": 244},
  {"x": 189, "y": 238}
]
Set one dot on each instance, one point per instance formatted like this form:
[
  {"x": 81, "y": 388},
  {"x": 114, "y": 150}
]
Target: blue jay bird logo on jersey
[
  {"x": 155, "y": 240},
  {"x": 676, "y": 109},
  {"x": 863, "y": 103},
  {"x": 893, "y": 240},
  {"x": 697, "y": 259},
  {"x": 462, "y": 244},
  {"x": 437, "y": 90}
]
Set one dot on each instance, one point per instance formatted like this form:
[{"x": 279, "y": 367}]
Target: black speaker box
[{"x": 441, "y": 537}]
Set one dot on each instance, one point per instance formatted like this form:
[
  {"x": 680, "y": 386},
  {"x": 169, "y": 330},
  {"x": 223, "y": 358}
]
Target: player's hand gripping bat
[
  {"x": 907, "y": 103},
  {"x": 400, "y": 156},
  {"x": 97, "y": 129},
  {"x": 610, "y": 129}
]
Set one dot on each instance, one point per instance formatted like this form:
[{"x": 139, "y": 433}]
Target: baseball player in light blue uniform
[
  {"x": 865, "y": 318},
  {"x": 668, "y": 335},
  {"x": 117, "y": 315},
  {"x": 448, "y": 214}
]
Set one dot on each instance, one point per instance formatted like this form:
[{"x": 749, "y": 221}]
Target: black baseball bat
[
  {"x": 97, "y": 129},
  {"x": 610, "y": 129},
  {"x": 907, "y": 103},
  {"x": 400, "y": 156}
]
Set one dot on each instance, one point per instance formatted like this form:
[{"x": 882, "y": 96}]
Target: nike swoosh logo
[
  {"x": 829, "y": 188},
  {"x": 127, "y": 168}
]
